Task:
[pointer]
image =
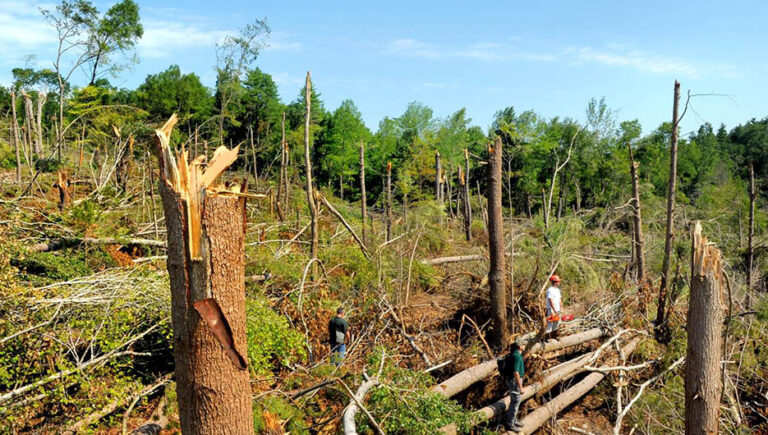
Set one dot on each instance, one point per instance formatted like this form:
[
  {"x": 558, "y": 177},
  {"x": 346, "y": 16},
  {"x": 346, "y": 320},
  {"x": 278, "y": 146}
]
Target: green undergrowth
[
  {"x": 272, "y": 343},
  {"x": 403, "y": 403}
]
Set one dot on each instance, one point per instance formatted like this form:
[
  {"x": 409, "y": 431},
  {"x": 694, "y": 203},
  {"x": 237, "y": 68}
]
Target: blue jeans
[
  {"x": 338, "y": 352},
  {"x": 515, "y": 397}
]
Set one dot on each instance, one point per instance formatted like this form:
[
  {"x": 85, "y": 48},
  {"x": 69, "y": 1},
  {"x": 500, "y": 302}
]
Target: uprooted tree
[{"x": 205, "y": 224}]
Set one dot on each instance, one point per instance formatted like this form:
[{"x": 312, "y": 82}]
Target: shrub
[
  {"x": 270, "y": 338},
  {"x": 45, "y": 164}
]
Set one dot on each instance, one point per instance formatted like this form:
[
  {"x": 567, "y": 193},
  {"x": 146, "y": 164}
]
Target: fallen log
[
  {"x": 554, "y": 376},
  {"x": 356, "y": 403},
  {"x": 461, "y": 381},
  {"x": 534, "y": 420},
  {"x": 68, "y": 242},
  {"x": 456, "y": 259}
]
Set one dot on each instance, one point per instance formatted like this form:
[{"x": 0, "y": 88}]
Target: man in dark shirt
[
  {"x": 512, "y": 369},
  {"x": 338, "y": 330}
]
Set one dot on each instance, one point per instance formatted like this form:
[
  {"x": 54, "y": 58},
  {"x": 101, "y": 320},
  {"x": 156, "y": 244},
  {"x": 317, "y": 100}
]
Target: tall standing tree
[
  {"x": 497, "y": 272},
  {"x": 661, "y": 328},
  {"x": 117, "y": 31}
]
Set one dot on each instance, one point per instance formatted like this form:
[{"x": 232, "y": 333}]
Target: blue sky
[{"x": 551, "y": 57}]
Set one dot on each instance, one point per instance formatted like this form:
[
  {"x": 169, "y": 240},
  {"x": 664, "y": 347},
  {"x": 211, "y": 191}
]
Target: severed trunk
[
  {"x": 389, "y": 201},
  {"x": 438, "y": 190},
  {"x": 308, "y": 162},
  {"x": 62, "y": 185},
  {"x": 282, "y": 201},
  {"x": 751, "y": 235},
  {"x": 540, "y": 416},
  {"x": 363, "y": 206},
  {"x": 661, "y": 329},
  {"x": 206, "y": 265},
  {"x": 703, "y": 371},
  {"x": 462, "y": 380},
  {"x": 467, "y": 199},
  {"x": 637, "y": 240},
  {"x": 496, "y": 274},
  {"x": 41, "y": 97}
]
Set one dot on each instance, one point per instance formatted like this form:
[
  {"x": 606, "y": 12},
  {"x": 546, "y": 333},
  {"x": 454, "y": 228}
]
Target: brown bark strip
[
  {"x": 638, "y": 219},
  {"x": 62, "y": 185},
  {"x": 364, "y": 211},
  {"x": 703, "y": 373},
  {"x": 467, "y": 199},
  {"x": 496, "y": 274}
]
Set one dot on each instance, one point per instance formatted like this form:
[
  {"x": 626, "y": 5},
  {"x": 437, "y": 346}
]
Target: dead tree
[
  {"x": 389, "y": 201},
  {"x": 62, "y": 185},
  {"x": 206, "y": 264},
  {"x": 637, "y": 241},
  {"x": 463, "y": 197},
  {"x": 364, "y": 210},
  {"x": 660, "y": 321},
  {"x": 467, "y": 199},
  {"x": 308, "y": 162},
  {"x": 15, "y": 136},
  {"x": 496, "y": 274},
  {"x": 41, "y": 97},
  {"x": 558, "y": 166},
  {"x": 438, "y": 190},
  {"x": 751, "y": 234},
  {"x": 449, "y": 192},
  {"x": 282, "y": 200},
  {"x": 703, "y": 370}
]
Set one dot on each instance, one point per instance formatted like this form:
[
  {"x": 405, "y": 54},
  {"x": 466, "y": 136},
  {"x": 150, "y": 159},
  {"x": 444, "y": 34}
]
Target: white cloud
[
  {"x": 163, "y": 38},
  {"x": 637, "y": 60},
  {"x": 22, "y": 25},
  {"x": 485, "y": 51}
]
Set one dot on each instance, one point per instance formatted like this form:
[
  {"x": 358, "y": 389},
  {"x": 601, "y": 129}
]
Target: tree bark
[
  {"x": 389, "y": 201},
  {"x": 282, "y": 201},
  {"x": 496, "y": 274},
  {"x": 637, "y": 241},
  {"x": 363, "y": 206},
  {"x": 467, "y": 199},
  {"x": 660, "y": 321},
  {"x": 751, "y": 235},
  {"x": 41, "y": 97},
  {"x": 456, "y": 259},
  {"x": 703, "y": 371},
  {"x": 206, "y": 265},
  {"x": 462, "y": 380},
  {"x": 308, "y": 162}
]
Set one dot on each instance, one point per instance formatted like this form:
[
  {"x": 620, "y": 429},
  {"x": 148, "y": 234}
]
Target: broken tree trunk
[
  {"x": 467, "y": 199},
  {"x": 364, "y": 210},
  {"x": 41, "y": 97},
  {"x": 638, "y": 219},
  {"x": 462, "y": 380},
  {"x": 456, "y": 259},
  {"x": 206, "y": 264},
  {"x": 389, "y": 201},
  {"x": 751, "y": 235},
  {"x": 543, "y": 414},
  {"x": 355, "y": 404},
  {"x": 660, "y": 321},
  {"x": 62, "y": 185},
  {"x": 346, "y": 224},
  {"x": 281, "y": 183},
  {"x": 308, "y": 162},
  {"x": 703, "y": 371},
  {"x": 496, "y": 273},
  {"x": 438, "y": 190}
]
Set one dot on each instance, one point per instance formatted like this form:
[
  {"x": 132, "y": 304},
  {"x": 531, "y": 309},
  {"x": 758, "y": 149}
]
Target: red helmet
[{"x": 554, "y": 278}]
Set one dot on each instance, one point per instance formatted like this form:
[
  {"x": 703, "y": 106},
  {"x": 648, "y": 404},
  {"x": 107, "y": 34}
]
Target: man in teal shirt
[
  {"x": 338, "y": 331},
  {"x": 512, "y": 369}
]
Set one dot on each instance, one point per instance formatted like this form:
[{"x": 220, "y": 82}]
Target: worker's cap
[{"x": 554, "y": 278}]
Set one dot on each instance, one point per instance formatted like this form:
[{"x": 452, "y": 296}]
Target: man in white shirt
[{"x": 554, "y": 304}]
